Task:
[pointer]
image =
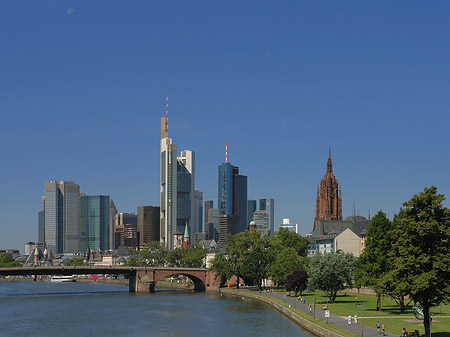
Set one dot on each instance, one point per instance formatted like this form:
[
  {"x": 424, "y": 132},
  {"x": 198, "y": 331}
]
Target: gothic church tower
[{"x": 329, "y": 202}]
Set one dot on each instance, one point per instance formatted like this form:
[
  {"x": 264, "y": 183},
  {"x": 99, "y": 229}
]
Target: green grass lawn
[{"x": 389, "y": 315}]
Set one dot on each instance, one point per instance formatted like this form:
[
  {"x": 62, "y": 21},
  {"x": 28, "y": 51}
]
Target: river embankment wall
[{"x": 308, "y": 325}]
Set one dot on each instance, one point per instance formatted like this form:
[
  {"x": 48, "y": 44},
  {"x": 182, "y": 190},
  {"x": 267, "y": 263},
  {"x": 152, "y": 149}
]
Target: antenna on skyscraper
[
  {"x": 226, "y": 152},
  {"x": 167, "y": 106}
]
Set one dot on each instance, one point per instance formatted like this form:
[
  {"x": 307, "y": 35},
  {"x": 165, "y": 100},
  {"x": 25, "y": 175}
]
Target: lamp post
[{"x": 362, "y": 316}]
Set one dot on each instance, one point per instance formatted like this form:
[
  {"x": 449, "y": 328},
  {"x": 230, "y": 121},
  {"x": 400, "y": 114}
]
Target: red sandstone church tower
[{"x": 329, "y": 202}]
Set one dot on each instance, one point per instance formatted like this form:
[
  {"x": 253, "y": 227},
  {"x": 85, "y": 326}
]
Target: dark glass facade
[{"x": 94, "y": 222}]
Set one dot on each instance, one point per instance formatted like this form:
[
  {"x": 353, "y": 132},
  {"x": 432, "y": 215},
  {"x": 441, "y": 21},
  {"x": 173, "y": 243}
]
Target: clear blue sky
[{"x": 83, "y": 86}]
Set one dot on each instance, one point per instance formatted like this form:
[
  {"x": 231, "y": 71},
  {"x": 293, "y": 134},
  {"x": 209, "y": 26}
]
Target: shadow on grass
[{"x": 441, "y": 334}]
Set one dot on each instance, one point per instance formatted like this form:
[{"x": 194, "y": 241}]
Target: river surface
[{"x": 98, "y": 309}]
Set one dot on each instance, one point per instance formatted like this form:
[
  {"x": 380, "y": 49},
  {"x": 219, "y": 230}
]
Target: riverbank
[{"x": 286, "y": 310}]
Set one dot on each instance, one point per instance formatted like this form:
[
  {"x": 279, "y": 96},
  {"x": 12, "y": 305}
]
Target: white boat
[{"x": 62, "y": 278}]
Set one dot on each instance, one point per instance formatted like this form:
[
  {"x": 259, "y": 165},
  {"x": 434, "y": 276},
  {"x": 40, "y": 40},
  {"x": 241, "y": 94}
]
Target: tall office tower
[
  {"x": 94, "y": 222},
  {"x": 197, "y": 214},
  {"x": 176, "y": 187},
  {"x": 112, "y": 216},
  {"x": 261, "y": 219},
  {"x": 225, "y": 191},
  {"x": 125, "y": 230},
  {"x": 168, "y": 190},
  {"x": 240, "y": 202},
  {"x": 208, "y": 205},
  {"x": 41, "y": 223},
  {"x": 251, "y": 208},
  {"x": 148, "y": 224},
  {"x": 214, "y": 225},
  {"x": 62, "y": 204},
  {"x": 329, "y": 201},
  {"x": 185, "y": 192},
  {"x": 228, "y": 225},
  {"x": 232, "y": 192},
  {"x": 268, "y": 205}
]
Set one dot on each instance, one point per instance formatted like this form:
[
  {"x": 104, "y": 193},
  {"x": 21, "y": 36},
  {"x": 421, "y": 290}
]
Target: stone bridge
[{"x": 141, "y": 279}]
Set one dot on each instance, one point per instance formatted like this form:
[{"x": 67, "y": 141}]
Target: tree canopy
[
  {"x": 374, "y": 261},
  {"x": 76, "y": 261},
  {"x": 285, "y": 263},
  {"x": 331, "y": 273},
  {"x": 297, "y": 281},
  {"x": 285, "y": 238},
  {"x": 6, "y": 261},
  {"x": 421, "y": 249}
]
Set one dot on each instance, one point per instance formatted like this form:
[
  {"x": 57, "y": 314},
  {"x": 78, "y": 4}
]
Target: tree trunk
[
  {"x": 402, "y": 304},
  {"x": 378, "y": 302},
  {"x": 426, "y": 317},
  {"x": 237, "y": 282}
]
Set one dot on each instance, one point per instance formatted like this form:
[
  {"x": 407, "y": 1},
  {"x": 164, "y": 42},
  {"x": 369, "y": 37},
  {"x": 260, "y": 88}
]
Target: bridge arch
[{"x": 199, "y": 278}]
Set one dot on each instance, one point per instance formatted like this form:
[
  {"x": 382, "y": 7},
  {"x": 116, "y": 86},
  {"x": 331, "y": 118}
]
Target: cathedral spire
[{"x": 329, "y": 163}]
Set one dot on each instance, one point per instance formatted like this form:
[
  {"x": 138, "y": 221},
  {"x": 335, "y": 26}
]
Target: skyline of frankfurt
[{"x": 83, "y": 88}]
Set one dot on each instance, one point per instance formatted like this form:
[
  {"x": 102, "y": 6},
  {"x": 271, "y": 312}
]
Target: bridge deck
[{"x": 81, "y": 270}]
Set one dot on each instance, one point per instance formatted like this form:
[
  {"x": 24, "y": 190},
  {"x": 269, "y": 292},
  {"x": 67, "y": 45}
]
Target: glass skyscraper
[
  {"x": 268, "y": 205},
  {"x": 251, "y": 208},
  {"x": 225, "y": 189},
  {"x": 62, "y": 216},
  {"x": 94, "y": 222},
  {"x": 232, "y": 194}
]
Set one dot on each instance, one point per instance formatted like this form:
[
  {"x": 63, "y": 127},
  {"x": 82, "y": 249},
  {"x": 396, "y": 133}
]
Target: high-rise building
[
  {"x": 261, "y": 219},
  {"x": 228, "y": 225},
  {"x": 240, "y": 202},
  {"x": 268, "y": 205},
  {"x": 148, "y": 224},
  {"x": 94, "y": 222},
  {"x": 62, "y": 204},
  {"x": 112, "y": 216},
  {"x": 232, "y": 193},
  {"x": 125, "y": 230},
  {"x": 251, "y": 208},
  {"x": 225, "y": 189},
  {"x": 197, "y": 215},
  {"x": 208, "y": 205},
  {"x": 176, "y": 186},
  {"x": 214, "y": 225},
  {"x": 328, "y": 202},
  {"x": 41, "y": 222},
  {"x": 185, "y": 191}
]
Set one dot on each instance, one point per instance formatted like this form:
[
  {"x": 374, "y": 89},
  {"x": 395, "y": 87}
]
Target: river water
[{"x": 98, "y": 309}]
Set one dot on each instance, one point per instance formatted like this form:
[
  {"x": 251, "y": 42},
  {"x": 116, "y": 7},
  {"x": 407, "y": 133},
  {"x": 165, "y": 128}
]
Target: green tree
[
  {"x": 239, "y": 245},
  {"x": 194, "y": 257},
  {"x": 6, "y": 261},
  {"x": 374, "y": 261},
  {"x": 297, "y": 281},
  {"x": 421, "y": 249},
  {"x": 174, "y": 257},
  {"x": 395, "y": 282},
  {"x": 254, "y": 263},
  {"x": 222, "y": 267},
  {"x": 285, "y": 238},
  {"x": 76, "y": 261},
  {"x": 285, "y": 263},
  {"x": 331, "y": 273}
]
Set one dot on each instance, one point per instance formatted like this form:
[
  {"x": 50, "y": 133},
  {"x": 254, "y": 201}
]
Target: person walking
[
  {"x": 349, "y": 319},
  {"x": 382, "y": 329},
  {"x": 356, "y": 320},
  {"x": 378, "y": 327}
]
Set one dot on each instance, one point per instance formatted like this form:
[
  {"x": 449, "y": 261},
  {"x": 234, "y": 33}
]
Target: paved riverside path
[{"x": 335, "y": 320}]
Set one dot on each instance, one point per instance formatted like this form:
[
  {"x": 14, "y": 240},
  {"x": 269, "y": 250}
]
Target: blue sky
[{"x": 83, "y": 86}]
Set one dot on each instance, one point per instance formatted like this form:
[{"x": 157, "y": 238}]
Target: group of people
[{"x": 382, "y": 327}]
